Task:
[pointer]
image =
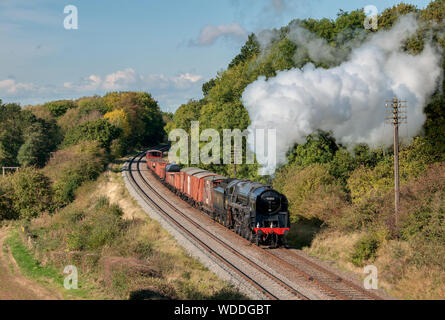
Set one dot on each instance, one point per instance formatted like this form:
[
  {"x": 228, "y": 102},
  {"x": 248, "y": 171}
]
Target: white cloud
[
  {"x": 170, "y": 90},
  {"x": 209, "y": 34},
  {"x": 185, "y": 80},
  {"x": 10, "y": 87},
  {"x": 129, "y": 79},
  {"x": 122, "y": 79},
  {"x": 90, "y": 83}
]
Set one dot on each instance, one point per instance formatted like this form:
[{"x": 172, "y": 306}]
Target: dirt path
[{"x": 13, "y": 285}]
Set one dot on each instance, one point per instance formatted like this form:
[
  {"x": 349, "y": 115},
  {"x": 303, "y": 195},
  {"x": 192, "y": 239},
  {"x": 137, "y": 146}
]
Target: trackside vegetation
[
  {"x": 69, "y": 197},
  {"x": 341, "y": 197},
  {"x": 59, "y": 205}
]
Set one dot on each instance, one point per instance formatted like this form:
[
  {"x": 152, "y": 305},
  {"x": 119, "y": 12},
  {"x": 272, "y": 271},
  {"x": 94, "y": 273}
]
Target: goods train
[{"x": 251, "y": 209}]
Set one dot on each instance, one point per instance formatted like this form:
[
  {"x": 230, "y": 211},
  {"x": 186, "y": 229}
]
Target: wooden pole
[
  {"x": 396, "y": 119},
  {"x": 396, "y": 162}
]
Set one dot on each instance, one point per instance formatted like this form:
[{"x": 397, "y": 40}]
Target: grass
[
  {"x": 122, "y": 253},
  {"x": 33, "y": 269},
  {"x": 397, "y": 274}
]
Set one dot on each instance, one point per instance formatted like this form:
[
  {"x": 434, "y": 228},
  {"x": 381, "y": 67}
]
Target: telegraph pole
[{"x": 395, "y": 119}]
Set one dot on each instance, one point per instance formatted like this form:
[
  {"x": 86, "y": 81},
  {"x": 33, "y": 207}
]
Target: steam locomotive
[{"x": 253, "y": 210}]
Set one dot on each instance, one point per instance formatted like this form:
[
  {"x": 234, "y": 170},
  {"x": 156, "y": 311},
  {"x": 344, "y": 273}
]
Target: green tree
[
  {"x": 58, "y": 108},
  {"x": 7, "y": 211},
  {"x": 320, "y": 147},
  {"x": 144, "y": 114},
  {"x": 98, "y": 130},
  {"x": 10, "y": 142},
  {"x": 184, "y": 115},
  {"x": 40, "y": 139},
  {"x": 389, "y": 16},
  {"x": 250, "y": 49},
  {"x": 32, "y": 193}
]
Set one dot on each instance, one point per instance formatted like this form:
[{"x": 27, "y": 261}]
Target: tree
[
  {"x": 58, "y": 108},
  {"x": 40, "y": 139},
  {"x": 390, "y": 15},
  {"x": 185, "y": 114},
  {"x": 7, "y": 211},
  {"x": 32, "y": 151},
  {"x": 98, "y": 130},
  {"x": 435, "y": 11},
  {"x": 32, "y": 193},
  {"x": 95, "y": 103},
  {"x": 206, "y": 87},
  {"x": 250, "y": 49},
  {"x": 119, "y": 118},
  {"x": 144, "y": 115},
  {"x": 320, "y": 147},
  {"x": 10, "y": 142}
]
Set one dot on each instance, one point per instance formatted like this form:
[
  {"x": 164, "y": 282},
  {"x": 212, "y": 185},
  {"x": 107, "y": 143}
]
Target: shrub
[
  {"x": 32, "y": 193},
  {"x": 312, "y": 192},
  {"x": 118, "y": 148},
  {"x": 365, "y": 250},
  {"x": 422, "y": 216},
  {"x": 7, "y": 211},
  {"x": 366, "y": 181},
  {"x": 99, "y": 228},
  {"x": 65, "y": 188},
  {"x": 70, "y": 167}
]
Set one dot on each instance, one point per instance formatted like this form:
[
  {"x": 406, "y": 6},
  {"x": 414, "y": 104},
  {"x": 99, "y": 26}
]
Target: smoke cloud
[{"x": 347, "y": 100}]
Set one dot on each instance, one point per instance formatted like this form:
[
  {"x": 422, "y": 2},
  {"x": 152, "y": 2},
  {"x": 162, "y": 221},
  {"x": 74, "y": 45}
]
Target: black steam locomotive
[{"x": 253, "y": 210}]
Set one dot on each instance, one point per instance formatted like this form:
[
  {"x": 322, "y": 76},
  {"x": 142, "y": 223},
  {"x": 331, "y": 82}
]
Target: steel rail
[{"x": 206, "y": 247}]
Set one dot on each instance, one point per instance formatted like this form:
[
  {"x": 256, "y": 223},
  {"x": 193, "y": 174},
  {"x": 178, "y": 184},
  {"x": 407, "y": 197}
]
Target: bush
[
  {"x": 98, "y": 229},
  {"x": 32, "y": 193},
  {"x": 7, "y": 211},
  {"x": 312, "y": 192},
  {"x": 70, "y": 167},
  {"x": 365, "y": 250},
  {"x": 368, "y": 181}
]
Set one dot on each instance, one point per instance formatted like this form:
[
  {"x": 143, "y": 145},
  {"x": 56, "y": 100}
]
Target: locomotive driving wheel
[{"x": 275, "y": 241}]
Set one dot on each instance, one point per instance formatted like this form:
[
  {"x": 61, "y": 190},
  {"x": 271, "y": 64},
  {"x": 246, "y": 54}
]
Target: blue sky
[{"x": 166, "y": 47}]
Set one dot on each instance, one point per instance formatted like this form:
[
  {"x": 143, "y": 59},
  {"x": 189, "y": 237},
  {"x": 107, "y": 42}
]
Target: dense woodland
[
  {"x": 334, "y": 192},
  {"x": 61, "y": 144}
]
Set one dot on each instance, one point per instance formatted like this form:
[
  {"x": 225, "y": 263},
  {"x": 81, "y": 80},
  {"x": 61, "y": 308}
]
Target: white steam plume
[{"x": 348, "y": 99}]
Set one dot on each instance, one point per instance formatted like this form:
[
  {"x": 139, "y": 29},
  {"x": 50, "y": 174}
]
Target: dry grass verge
[{"x": 119, "y": 250}]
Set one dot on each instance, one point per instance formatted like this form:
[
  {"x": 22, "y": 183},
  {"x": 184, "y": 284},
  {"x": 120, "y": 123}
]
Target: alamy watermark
[
  {"x": 371, "y": 21},
  {"x": 371, "y": 280},
  {"x": 71, "y": 280},
  {"x": 71, "y": 21},
  {"x": 189, "y": 149}
]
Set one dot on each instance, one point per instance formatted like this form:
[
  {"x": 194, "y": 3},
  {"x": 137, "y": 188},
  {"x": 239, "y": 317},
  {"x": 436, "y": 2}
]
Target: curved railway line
[
  {"x": 206, "y": 247},
  {"x": 293, "y": 267}
]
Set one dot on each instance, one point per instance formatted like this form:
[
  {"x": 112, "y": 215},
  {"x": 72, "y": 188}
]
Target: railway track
[
  {"x": 148, "y": 197},
  {"x": 329, "y": 280},
  {"x": 299, "y": 267}
]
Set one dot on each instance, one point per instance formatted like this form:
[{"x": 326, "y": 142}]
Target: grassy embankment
[
  {"x": 358, "y": 231},
  {"x": 120, "y": 253}
]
